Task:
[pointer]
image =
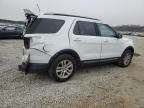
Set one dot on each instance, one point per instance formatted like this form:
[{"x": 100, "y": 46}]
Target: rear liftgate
[{"x": 30, "y": 17}]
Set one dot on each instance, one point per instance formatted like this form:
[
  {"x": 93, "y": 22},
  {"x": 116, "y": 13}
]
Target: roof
[{"x": 71, "y": 16}]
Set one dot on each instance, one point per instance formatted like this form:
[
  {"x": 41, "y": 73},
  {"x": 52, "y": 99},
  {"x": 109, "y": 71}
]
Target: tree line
[{"x": 129, "y": 28}]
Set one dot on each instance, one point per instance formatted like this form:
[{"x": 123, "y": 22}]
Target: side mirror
[{"x": 118, "y": 35}]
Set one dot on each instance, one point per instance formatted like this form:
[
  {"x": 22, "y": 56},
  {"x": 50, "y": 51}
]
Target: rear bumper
[
  {"x": 34, "y": 61},
  {"x": 23, "y": 67},
  {"x": 25, "y": 64},
  {"x": 33, "y": 67}
]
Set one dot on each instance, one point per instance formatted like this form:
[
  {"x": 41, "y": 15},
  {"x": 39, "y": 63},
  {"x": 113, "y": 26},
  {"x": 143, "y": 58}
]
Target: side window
[
  {"x": 85, "y": 28},
  {"x": 106, "y": 30},
  {"x": 45, "y": 25},
  {"x": 76, "y": 29}
]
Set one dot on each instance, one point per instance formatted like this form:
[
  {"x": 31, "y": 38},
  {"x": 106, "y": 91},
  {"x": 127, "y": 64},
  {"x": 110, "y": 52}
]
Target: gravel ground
[{"x": 107, "y": 86}]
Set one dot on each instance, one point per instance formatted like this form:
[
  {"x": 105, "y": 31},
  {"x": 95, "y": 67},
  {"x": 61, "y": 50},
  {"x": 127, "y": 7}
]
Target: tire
[
  {"x": 62, "y": 68},
  {"x": 126, "y": 58}
]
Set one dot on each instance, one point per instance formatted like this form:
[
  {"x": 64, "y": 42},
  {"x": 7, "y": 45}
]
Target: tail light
[{"x": 26, "y": 43}]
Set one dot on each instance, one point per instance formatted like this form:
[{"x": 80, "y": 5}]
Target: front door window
[{"x": 106, "y": 31}]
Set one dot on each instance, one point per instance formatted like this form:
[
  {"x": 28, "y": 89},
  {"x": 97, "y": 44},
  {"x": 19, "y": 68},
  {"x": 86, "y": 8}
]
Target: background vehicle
[
  {"x": 11, "y": 32},
  {"x": 63, "y": 42}
]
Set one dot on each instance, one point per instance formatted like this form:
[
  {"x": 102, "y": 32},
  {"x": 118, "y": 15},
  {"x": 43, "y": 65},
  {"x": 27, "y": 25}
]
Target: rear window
[{"x": 45, "y": 25}]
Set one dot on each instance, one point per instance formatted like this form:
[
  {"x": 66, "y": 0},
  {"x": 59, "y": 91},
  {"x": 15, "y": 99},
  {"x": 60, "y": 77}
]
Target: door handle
[
  {"x": 106, "y": 41},
  {"x": 77, "y": 40}
]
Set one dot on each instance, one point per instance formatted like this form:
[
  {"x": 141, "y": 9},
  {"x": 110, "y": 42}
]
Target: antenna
[{"x": 38, "y": 7}]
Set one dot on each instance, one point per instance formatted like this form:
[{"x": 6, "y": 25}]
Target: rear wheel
[
  {"x": 126, "y": 58},
  {"x": 62, "y": 68}
]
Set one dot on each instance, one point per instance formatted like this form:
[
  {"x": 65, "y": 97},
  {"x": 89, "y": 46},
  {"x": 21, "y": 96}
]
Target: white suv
[{"x": 63, "y": 42}]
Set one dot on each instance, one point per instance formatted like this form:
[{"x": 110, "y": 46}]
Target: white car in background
[{"x": 63, "y": 42}]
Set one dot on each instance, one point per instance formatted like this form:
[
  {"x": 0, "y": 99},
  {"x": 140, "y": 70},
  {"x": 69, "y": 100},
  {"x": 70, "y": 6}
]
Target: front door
[{"x": 111, "y": 46}]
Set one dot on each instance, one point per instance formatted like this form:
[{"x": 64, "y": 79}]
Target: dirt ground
[{"x": 107, "y": 86}]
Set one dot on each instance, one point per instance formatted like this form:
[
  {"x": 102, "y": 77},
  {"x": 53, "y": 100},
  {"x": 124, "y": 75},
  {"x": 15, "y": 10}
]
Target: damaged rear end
[
  {"x": 34, "y": 49},
  {"x": 41, "y": 37}
]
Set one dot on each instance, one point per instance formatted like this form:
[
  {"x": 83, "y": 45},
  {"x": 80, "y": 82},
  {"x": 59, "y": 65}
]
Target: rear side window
[
  {"x": 85, "y": 28},
  {"x": 45, "y": 25}
]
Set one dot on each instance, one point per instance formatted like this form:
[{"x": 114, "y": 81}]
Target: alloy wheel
[{"x": 64, "y": 69}]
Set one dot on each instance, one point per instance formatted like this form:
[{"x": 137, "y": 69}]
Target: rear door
[{"x": 85, "y": 40}]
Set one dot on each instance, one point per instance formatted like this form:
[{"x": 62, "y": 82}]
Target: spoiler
[
  {"x": 29, "y": 14},
  {"x": 30, "y": 18}
]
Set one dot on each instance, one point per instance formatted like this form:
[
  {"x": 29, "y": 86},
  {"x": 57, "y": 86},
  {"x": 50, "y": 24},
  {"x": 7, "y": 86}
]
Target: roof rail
[{"x": 71, "y": 16}]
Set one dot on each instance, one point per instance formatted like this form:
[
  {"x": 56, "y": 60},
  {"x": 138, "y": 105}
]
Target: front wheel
[
  {"x": 62, "y": 68},
  {"x": 126, "y": 58}
]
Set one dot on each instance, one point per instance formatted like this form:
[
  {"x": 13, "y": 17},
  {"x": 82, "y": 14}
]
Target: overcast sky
[{"x": 113, "y": 12}]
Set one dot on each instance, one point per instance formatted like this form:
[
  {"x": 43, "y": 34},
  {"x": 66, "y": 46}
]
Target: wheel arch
[
  {"x": 65, "y": 51},
  {"x": 129, "y": 48}
]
